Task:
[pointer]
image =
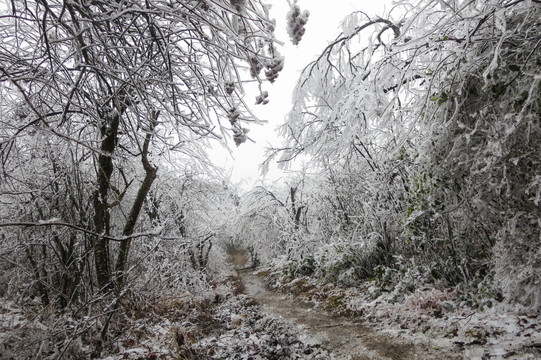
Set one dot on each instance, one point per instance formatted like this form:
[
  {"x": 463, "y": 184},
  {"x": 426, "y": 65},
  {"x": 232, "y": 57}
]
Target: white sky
[{"x": 322, "y": 27}]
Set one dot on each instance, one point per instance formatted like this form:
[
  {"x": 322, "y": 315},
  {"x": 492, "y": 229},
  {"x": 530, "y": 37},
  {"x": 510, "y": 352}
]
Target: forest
[{"x": 408, "y": 217}]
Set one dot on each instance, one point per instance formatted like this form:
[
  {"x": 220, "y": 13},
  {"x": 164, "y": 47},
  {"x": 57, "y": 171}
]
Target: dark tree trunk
[
  {"x": 200, "y": 261},
  {"x": 181, "y": 225},
  {"x": 42, "y": 288},
  {"x": 129, "y": 227},
  {"x": 109, "y": 132},
  {"x": 132, "y": 221},
  {"x": 296, "y": 212}
]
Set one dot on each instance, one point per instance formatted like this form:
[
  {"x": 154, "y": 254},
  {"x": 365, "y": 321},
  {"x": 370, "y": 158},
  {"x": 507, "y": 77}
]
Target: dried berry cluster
[
  {"x": 271, "y": 25},
  {"x": 229, "y": 87},
  {"x": 204, "y": 5},
  {"x": 238, "y": 4},
  {"x": 233, "y": 115},
  {"x": 262, "y": 98},
  {"x": 274, "y": 67},
  {"x": 239, "y": 135},
  {"x": 295, "y": 23},
  {"x": 255, "y": 66}
]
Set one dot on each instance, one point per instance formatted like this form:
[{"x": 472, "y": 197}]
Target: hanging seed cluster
[
  {"x": 295, "y": 23},
  {"x": 204, "y": 5},
  {"x": 255, "y": 66},
  {"x": 239, "y": 136},
  {"x": 238, "y": 5},
  {"x": 262, "y": 99},
  {"x": 233, "y": 115},
  {"x": 274, "y": 67},
  {"x": 271, "y": 25},
  {"x": 229, "y": 87}
]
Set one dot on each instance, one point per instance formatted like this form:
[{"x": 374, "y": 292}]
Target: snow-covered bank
[
  {"x": 425, "y": 316},
  {"x": 345, "y": 337}
]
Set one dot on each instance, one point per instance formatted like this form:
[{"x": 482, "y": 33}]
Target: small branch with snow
[{"x": 57, "y": 222}]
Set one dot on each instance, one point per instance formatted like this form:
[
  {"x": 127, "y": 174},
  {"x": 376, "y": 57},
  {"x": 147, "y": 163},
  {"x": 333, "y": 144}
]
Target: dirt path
[
  {"x": 238, "y": 258},
  {"x": 342, "y": 336}
]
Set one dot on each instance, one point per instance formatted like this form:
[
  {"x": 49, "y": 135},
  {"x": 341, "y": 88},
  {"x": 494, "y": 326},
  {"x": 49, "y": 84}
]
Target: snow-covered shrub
[
  {"x": 484, "y": 157},
  {"x": 435, "y": 116},
  {"x": 343, "y": 264},
  {"x": 351, "y": 264},
  {"x": 398, "y": 281},
  {"x": 518, "y": 260},
  {"x": 306, "y": 266}
]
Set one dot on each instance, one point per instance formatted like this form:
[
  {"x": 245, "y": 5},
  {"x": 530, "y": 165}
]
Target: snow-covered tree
[
  {"x": 119, "y": 86},
  {"x": 435, "y": 109}
]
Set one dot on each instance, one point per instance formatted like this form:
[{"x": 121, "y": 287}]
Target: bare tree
[{"x": 120, "y": 81}]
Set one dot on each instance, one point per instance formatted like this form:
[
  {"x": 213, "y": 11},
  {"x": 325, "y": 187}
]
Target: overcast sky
[{"x": 323, "y": 26}]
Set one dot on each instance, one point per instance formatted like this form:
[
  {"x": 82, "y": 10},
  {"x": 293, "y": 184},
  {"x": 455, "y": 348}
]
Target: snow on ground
[
  {"x": 226, "y": 324},
  {"x": 426, "y": 315},
  {"x": 21, "y": 332}
]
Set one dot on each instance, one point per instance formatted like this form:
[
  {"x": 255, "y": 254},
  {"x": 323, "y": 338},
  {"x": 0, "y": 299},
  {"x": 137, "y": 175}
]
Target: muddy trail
[{"x": 342, "y": 336}]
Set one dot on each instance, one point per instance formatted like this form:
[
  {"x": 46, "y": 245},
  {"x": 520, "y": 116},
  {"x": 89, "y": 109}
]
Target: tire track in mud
[{"x": 339, "y": 335}]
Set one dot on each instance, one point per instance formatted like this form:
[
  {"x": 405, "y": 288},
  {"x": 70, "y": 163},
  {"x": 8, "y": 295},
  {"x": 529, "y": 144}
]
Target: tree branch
[{"x": 78, "y": 228}]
